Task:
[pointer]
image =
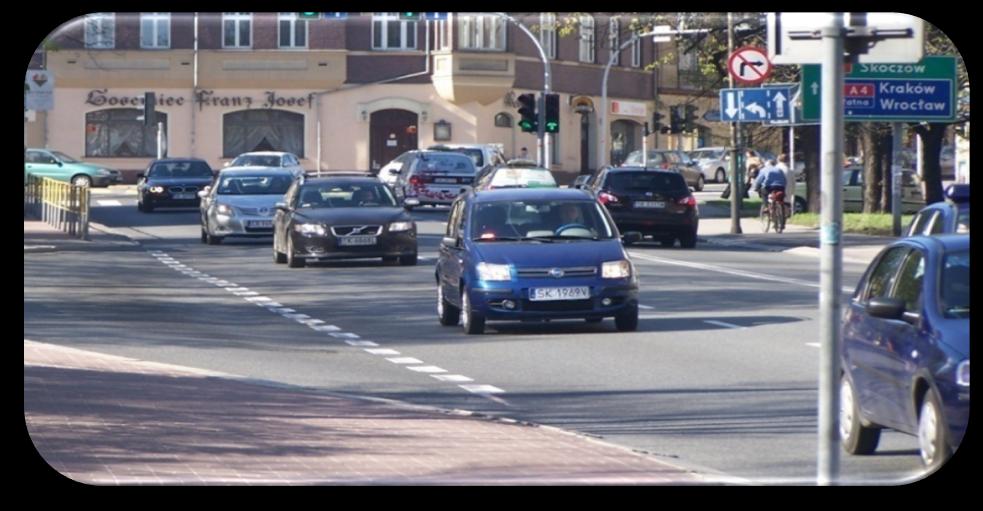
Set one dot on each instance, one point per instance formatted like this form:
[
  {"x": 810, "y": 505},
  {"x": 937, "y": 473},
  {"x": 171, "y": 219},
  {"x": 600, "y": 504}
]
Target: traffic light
[
  {"x": 409, "y": 16},
  {"x": 308, "y": 15},
  {"x": 657, "y": 125},
  {"x": 149, "y": 109},
  {"x": 552, "y": 113},
  {"x": 527, "y": 111},
  {"x": 675, "y": 119},
  {"x": 689, "y": 119}
]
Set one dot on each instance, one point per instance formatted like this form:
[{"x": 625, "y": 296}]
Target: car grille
[
  {"x": 558, "y": 305},
  {"x": 356, "y": 230},
  {"x": 256, "y": 211},
  {"x": 577, "y": 271},
  {"x": 182, "y": 189}
]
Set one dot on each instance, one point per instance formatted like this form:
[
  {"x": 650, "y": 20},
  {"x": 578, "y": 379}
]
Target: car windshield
[
  {"x": 254, "y": 185},
  {"x": 955, "y": 285},
  {"x": 64, "y": 157},
  {"x": 345, "y": 195},
  {"x": 448, "y": 162},
  {"x": 256, "y": 160},
  {"x": 708, "y": 155},
  {"x": 522, "y": 178},
  {"x": 646, "y": 181},
  {"x": 539, "y": 220},
  {"x": 181, "y": 169}
]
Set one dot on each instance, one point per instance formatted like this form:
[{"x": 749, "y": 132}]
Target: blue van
[{"x": 531, "y": 255}]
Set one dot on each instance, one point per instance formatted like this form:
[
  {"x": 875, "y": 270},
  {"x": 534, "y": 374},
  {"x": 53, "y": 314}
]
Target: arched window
[
  {"x": 118, "y": 133},
  {"x": 262, "y": 130}
]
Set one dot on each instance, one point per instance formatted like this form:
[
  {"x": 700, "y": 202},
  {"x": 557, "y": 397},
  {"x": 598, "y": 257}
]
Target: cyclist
[{"x": 771, "y": 179}]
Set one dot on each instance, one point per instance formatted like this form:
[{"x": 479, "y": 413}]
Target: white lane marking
[
  {"x": 482, "y": 389},
  {"x": 296, "y": 317},
  {"x": 325, "y": 328},
  {"x": 109, "y": 202},
  {"x": 724, "y": 324},
  {"x": 246, "y": 293},
  {"x": 236, "y": 289},
  {"x": 646, "y": 307},
  {"x": 283, "y": 310},
  {"x": 312, "y": 322},
  {"x": 451, "y": 377},
  {"x": 258, "y": 299},
  {"x": 381, "y": 351},
  {"x": 344, "y": 335},
  {"x": 361, "y": 343},
  {"x": 405, "y": 360},
  {"x": 224, "y": 283},
  {"x": 731, "y": 271},
  {"x": 426, "y": 369},
  {"x": 272, "y": 305},
  {"x": 813, "y": 344}
]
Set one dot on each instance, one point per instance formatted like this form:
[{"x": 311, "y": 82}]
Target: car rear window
[
  {"x": 646, "y": 181},
  {"x": 455, "y": 163}
]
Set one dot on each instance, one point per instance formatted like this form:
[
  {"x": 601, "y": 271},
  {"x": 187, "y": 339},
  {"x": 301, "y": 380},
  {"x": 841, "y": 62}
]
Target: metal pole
[
  {"x": 897, "y": 130},
  {"x": 735, "y": 178},
  {"x": 543, "y": 141},
  {"x": 602, "y": 133},
  {"x": 791, "y": 165},
  {"x": 160, "y": 140},
  {"x": 830, "y": 264}
]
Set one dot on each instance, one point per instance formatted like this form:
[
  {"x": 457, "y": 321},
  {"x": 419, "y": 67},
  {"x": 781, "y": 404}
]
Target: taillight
[
  {"x": 688, "y": 200},
  {"x": 606, "y": 198},
  {"x": 416, "y": 180}
]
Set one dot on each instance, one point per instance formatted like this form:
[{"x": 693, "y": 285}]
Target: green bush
[{"x": 860, "y": 223}]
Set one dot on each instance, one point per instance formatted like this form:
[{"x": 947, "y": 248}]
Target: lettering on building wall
[
  {"x": 270, "y": 99},
  {"x": 99, "y": 97}
]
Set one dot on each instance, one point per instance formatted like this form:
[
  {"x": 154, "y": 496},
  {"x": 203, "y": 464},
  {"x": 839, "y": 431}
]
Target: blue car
[
  {"x": 949, "y": 216},
  {"x": 532, "y": 255},
  {"x": 905, "y": 350}
]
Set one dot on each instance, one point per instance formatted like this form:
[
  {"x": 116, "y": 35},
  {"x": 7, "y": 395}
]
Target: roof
[
  {"x": 342, "y": 177},
  {"x": 172, "y": 160},
  {"x": 264, "y": 153},
  {"x": 640, "y": 168},
  {"x": 514, "y": 194},
  {"x": 256, "y": 171},
  {"x": 463, "y": 146},
  {"x": 948, "y": 242}
]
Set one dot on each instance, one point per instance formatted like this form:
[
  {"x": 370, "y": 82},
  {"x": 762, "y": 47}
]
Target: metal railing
[{"x": 61, "y": 205}]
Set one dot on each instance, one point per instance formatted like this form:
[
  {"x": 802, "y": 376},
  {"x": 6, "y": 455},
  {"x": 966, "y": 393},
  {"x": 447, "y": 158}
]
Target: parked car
[
  {"x": 531, "y": 254},
  {"x": 172, "y": 182},
  {"x": 482, "y": 155},
  {"x": 389, "y": 173},
  {"x": 241, "y": 202},
  {"x": 946, "y": 217},
  {"x": 651, "y": 202},
  {"x": 853, "y": 192},
  {"x": 342, "y": 217},
  {"x": 435, "y": 177},
  {"x": 905, "y": 349},
  {"x": 60, "y": 166},
  {"x": 516, "y": 177},
  {"x": 714, "y": 162},
  {"x": 671, "y": 160},
  {"x": 277, "y": 159}
]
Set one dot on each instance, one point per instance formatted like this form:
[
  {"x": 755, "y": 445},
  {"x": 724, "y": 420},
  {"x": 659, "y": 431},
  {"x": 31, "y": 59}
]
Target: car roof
[
  {"x": 174, "y": 160},
  {"x": 350, "y": 178},
  {"x": 514, "y": 194},
  {"x": 947, "y": 242},
  {"x": 426, "y": 152},
  {"x": 264, "y": 153},
  {"x": 256, "y": 171},
  {"x": 641, "y": 169},
  {"x": 463, "y": 146}
]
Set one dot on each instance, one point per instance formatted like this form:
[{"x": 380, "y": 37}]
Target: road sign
[
  {"x": 749, "y": 65},
  {"x": 755, "y": 105},
  {"x": 793, "y": 36},
  {"x": 39, "y": 90},
  {"x": 919, "y": 92}
]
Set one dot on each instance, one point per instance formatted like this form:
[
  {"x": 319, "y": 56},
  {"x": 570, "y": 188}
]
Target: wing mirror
[
  {"x": 450, "y": 242},
  {"x": 282, "y": 206},
  {"x": 411, "y": 203},
  {"x": 631, "y": 237},
  {"x": 204, "y": 192},
  {"x": 395, "y": 171},
  {"x": 886, "y": 308}
]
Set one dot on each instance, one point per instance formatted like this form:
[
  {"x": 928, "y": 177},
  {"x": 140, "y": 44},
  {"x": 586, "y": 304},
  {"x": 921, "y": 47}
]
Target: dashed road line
[
  {"x": 428, "y": 369},
  {"x": 482, "y": 389},
  {"x": 381, "y": 351},
  {"x": 451, "y": 377},
  {"x": 405, "y": 360}
]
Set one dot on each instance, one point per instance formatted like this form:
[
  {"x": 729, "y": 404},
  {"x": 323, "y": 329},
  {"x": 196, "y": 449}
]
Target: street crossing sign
[
  {"x": 749, "y": 65},
  {"x": 756, "y": 105},
  {"x": 924, "y": 91}
]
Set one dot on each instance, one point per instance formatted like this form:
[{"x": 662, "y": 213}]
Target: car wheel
[
  {"x": 278, "y": 257},
  {"x": 699, "y": 184},
  {"x": 408, "y": 260},
  {"x": 855, "y": 437},
  {"x": 212, "y": 239},
  {"x": 721, "y": 176},
  {"x": 667, "y": 242},
  {"x": 688, "y": 240},
  {"x": 389, "y": 259},
  {"x": 932, "y": 438},
  {"x": 292, "y": 261},
  {"x": 473, "y": 322},
  {"x": 448, "y": 314},
  {"x": 627, "y": 320},
  {"x": 82, "y": 180}
]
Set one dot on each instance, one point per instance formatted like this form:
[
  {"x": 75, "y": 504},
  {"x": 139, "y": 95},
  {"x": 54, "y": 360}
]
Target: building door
[
  {"x": 624, "y": 139},
  {"x": 585, "y": 143},
  {"x": 391, "y": 133}
]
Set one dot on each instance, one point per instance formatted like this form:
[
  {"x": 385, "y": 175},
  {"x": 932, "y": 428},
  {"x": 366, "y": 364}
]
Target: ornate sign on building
[{"x": 203, "y": 98}]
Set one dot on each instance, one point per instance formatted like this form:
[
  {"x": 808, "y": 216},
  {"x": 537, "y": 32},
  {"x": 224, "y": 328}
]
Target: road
[{"x": 720, "y": 377}]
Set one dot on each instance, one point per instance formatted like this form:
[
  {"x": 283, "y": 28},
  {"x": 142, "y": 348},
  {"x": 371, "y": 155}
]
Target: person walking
[{"x": 523, "y": 154}]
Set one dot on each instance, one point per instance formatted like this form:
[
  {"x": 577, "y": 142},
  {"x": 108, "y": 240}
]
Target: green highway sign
[{"x": 925, "y": 91}]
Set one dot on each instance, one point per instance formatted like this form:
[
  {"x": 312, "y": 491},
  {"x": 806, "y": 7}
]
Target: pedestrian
[
  {"x": 790, "y": 176},
  {"x": 523, "y": 154},
  {"x": 753, "y": 163}
]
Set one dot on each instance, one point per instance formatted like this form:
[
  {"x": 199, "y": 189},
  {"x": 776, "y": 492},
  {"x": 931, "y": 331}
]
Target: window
[
  {"x": 882, "y": 277},
  {"x": 262, "y": 130},
  {"x": 117, "y": 133},
  {"x": 100, "y": 30},
  {"x": 443, "y": 29},
  {"x": 909, "y": 287},
  {"x": 391, "y": 33},
  {"x": 481, "y": 32},
  {"x": 614, "y": 38},
  {"x": 636, "y": 53},
  {"x": 688, "y": 69},
  {"x": 587, "y": 39},
  {"x": 155, "y": 30},
  {"x": 547, "y": 34},
  {"x": 293, "y": 31},
  {"x": 237, "y": 30}
]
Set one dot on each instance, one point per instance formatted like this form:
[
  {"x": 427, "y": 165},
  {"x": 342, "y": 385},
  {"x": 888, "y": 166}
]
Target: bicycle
[{"x": 772, "y": 214}]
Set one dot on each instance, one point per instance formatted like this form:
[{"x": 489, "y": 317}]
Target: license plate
[
  {"x": 260, "y": 224},
  {"x": 350, "y": 241},
  {"x": 444, "y": 180},
  {"x": 184, "y": 196},
  {"x": 542, "y": 294},
  {"x": 650, "y": 204}
]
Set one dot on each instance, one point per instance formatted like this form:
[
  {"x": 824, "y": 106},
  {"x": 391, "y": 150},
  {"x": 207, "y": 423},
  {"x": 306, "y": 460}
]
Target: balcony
[{"x": 462, "y": 77}]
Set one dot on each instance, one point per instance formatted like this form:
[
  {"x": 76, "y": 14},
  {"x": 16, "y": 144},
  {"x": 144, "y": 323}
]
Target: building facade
[{"x": 344, "y": 94}]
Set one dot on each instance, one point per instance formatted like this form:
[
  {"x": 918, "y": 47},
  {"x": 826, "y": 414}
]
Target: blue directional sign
[
  {"x": 756, "y": 105},
  {"x": 334, "y": 15},
  {"x": 438, "y": 16}
]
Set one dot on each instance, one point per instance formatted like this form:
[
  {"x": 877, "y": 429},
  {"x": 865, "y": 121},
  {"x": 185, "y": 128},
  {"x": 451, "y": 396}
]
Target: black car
[
  {"x": 654, "y": 203},
  {"x": 342, "y": 217},
  {"x": 172, "y": 182}
]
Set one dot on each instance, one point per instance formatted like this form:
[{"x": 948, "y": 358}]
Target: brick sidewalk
[{"x": 102, "y": 419}]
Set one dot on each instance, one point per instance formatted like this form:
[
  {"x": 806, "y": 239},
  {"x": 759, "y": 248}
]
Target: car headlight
[
  {"x": 962, "y": 373},
  {"x": 492, "y": 272},
  {"x": 223, "y": 209},
  {"x": 616, "y": 269},
  {"x": 310, "y": 229},
  {"x": 156, "y": 189},
  {"x": 400, "y": 226}
]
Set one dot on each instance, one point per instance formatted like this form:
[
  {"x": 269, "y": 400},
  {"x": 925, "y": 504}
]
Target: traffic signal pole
[
  {"x": 544, "y": 140},
  {"x": 735, "y": 168}
]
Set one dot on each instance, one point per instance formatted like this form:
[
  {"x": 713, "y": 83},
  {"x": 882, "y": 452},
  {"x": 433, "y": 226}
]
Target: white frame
[
  {"x": 547, "y": 33},
  {"x": 104, "y": 23},
  {"x": 405, "y": 27},
  {"x": 156, "y": 19},
  {"x": 472, "y": 34},
  {"x": 238, "y": 17},
  {"x": 294, "y": 20},
  {"x": 588, "y": 32},
  {"x": 614, "y": 38},
  {"x": 636, "y": 53}
]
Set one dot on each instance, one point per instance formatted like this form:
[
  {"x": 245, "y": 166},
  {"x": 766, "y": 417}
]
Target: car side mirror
[
  {"x": 282, "y": 206},
  {"x": 204, "y": 192},
  {"x": 395, "y": 171},
  {"x": 631, "y": 237},
  {"x": 886, "y": 308},
  {"x": 60, "y": 164},
  {"x": 141, "y": 175},
  {"x": 449, "y": 242},
  {"x": 226, "y": 164},
  {"x": 411, "y": 203}
]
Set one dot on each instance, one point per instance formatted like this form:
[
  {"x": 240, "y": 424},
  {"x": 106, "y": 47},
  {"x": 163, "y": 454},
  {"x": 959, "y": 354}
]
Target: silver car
[
  {"x": 241, "y": 202},
  {"x": 714, "y": 162}
]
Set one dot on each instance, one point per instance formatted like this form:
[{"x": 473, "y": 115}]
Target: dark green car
[{"x": 60, "y": 166}]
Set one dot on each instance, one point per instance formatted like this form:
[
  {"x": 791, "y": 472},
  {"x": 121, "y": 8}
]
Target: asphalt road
[{"x": 721, "y": 375}]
